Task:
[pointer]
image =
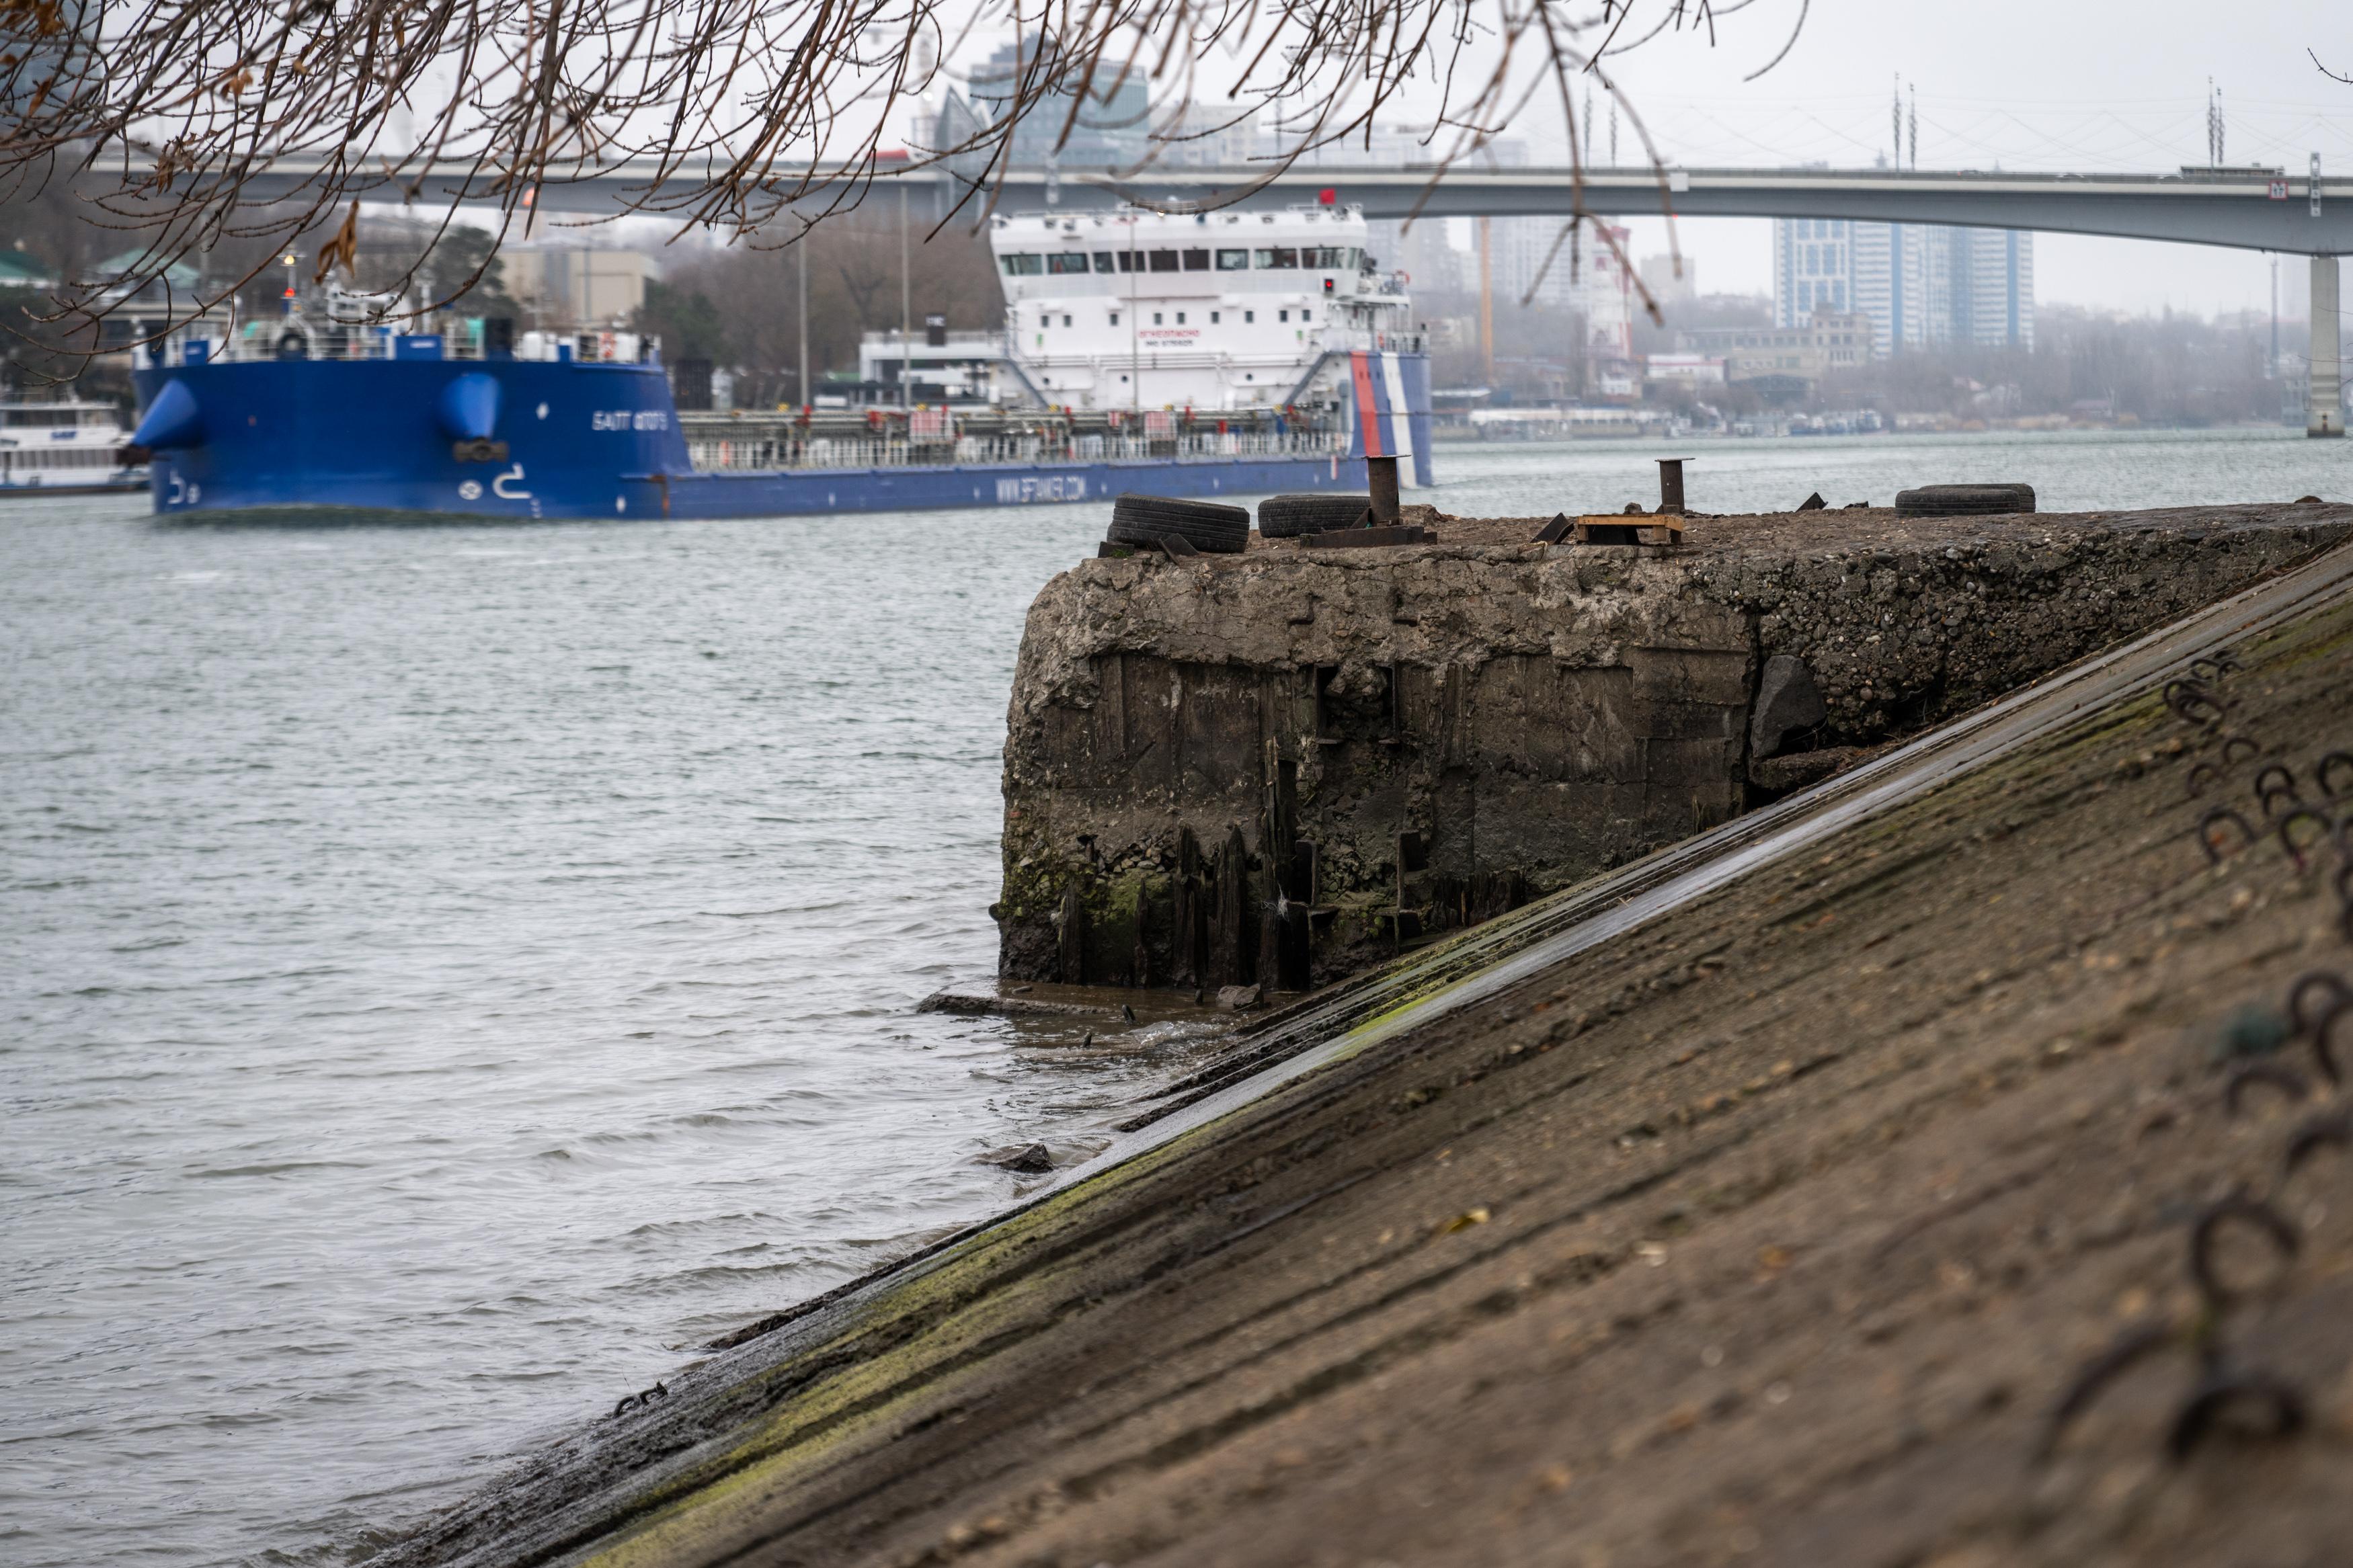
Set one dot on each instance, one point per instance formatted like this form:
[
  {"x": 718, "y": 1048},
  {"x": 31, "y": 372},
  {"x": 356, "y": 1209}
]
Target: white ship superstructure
[
  {"x": 65, "y": 443},
  {"x": 1231, "y": 310}
]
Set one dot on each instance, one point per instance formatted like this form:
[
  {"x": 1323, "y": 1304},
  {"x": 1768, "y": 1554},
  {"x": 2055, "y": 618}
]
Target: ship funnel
[
  {"x": 470, "y": 407},
  {"x": 172, "y": 420}
]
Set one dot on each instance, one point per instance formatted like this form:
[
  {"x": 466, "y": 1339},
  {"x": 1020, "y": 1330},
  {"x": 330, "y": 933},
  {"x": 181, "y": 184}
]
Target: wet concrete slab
[{"x": 1763, "y": 1203}]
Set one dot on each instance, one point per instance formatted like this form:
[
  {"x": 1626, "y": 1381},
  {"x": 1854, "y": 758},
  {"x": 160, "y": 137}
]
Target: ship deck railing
[
  {"x": 260, "y": 341},
  {"x": 760, "y": 453}
]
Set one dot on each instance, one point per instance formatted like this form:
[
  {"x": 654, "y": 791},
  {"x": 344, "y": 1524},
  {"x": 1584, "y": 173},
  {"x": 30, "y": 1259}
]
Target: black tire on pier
[
  {"x": 1204, "y": 525},
  {"x": 1964, "y": 501},
  {"x": 1286, "y": 517}
]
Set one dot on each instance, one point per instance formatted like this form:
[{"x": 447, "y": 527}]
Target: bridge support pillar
[{"x": 2325, "y": 405}]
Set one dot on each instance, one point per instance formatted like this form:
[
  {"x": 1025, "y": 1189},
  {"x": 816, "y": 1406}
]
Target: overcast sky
[
  {"x": 2041, "y": 84},
  {"x": 2088, "y": 85}
]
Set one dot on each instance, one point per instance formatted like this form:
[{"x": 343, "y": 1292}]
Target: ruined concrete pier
[{"x": 1275, "y": 767}]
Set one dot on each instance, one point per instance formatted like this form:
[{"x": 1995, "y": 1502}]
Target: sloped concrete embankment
[
  {"x": 1769, "y": 1220},
  {"x": 1280, "y": 766}
]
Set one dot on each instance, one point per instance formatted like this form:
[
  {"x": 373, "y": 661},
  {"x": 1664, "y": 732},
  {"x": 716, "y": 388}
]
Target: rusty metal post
[
  {"x": 1670, "y": 485},
  {"x": 1486, "y": 303},
  {"x": 1381, "y": 479}
]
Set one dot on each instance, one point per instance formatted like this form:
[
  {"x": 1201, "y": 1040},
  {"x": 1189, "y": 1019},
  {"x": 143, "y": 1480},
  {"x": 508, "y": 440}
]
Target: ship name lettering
[{"x": 1041, "y": 488}]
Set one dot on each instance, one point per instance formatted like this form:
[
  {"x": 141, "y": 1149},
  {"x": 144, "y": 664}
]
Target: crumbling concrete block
[
  {"x": 1787, "y": 700},
  {"x": 1275, "y": 767}
]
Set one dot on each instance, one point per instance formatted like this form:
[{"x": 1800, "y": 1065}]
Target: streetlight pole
[
  {"x": 1486, "y": 300},
  {"x": 906, "y": 316},
  {"x": 807, "y": 401},
  {"x": 1135, "y": 337}
]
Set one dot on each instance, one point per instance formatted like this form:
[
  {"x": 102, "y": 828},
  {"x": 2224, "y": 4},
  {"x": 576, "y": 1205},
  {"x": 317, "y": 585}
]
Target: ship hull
[
  {"x": 591, "y": 440},
  {"x": 806, "y": 491},
  {"x": 369, "y": 436}
]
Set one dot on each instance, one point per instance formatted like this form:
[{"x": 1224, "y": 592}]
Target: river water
[{"x": 450, "y": 971}]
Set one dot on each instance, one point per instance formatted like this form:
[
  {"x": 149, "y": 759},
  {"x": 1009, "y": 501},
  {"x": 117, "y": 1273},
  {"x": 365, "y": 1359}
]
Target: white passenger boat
[{"x": 70, "y": 446}]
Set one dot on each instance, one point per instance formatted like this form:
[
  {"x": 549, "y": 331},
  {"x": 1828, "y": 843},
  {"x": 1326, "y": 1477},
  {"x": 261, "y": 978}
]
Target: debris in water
[{"x": 978, "y": 1004}]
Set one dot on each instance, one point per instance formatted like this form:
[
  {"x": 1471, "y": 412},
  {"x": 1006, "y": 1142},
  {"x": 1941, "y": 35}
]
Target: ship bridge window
[
  {"x": 1323, "y": 255},
  {"x": 1023, "y": 264},
  {"x": 1162, "y": 260},
  {"x": 1279, "y": 256},
  {"x": 1196, "y": 261},
  {"x": 1103, "y": 261},
  {"x": 1064, "y": 261},
  {"x": 1233, "y": 260}
]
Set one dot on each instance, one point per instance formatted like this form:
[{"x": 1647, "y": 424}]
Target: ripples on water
[{"x": 449, "y": 971}]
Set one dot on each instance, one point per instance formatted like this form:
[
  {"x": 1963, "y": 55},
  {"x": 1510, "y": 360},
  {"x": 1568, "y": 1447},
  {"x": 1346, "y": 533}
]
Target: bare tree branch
[{"x": 750, "y": 118}]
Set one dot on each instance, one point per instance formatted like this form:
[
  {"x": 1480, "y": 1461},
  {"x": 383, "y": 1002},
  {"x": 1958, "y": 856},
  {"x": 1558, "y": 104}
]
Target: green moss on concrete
[{"x": 912, "y": 1342}]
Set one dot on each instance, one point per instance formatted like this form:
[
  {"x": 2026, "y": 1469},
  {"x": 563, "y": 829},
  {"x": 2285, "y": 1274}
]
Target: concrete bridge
[
  {"x": 2247, "y": 210},
  {"x": 2295, "y": 212}
]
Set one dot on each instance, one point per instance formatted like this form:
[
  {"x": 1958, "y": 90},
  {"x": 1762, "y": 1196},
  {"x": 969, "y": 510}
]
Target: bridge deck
[{"x": 2230, "y": 208}]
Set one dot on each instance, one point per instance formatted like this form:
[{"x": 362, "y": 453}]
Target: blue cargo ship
[{"x": 1140, "y": 353}]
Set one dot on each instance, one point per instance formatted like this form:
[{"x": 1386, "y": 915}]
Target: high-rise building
[
  {"x": 1424, "y": 254},
  {"x": 1813, "y": 268},
  {"x": 1110, "y": 128},
  {"x": 1921, "y": 285},
  {"x": 1536, "y": 262},
  {"x": 1991, "y": 282},
  {"x": 1522, "y": 245},
  {"x": 1216, "y": 135}
]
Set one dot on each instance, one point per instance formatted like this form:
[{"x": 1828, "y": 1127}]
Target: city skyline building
[
  {"x": 1109, "y": 130},
  {"x": 1922, "y": 286},
  {"x": 1427, "y": 254}
]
